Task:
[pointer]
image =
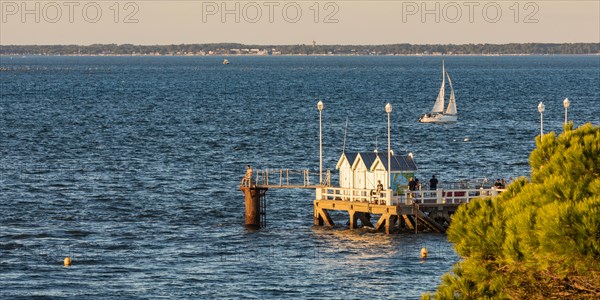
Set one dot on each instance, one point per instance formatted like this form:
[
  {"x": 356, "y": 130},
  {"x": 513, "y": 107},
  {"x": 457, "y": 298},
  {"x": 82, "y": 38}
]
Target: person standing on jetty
[
  {"x": 433, "y": 182},
  {"x": 498, "y": 184},
  {"x": 412, "y": 185},
  {"x": 379, "y": 188},
  {"x": 248, "y": 177}
]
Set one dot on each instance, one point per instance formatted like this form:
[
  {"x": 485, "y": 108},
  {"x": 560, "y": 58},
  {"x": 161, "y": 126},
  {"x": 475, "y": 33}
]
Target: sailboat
[{"x": 437, "y": 114}]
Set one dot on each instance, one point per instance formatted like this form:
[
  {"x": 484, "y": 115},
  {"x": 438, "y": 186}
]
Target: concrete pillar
[{"x": 252, "y": 200}]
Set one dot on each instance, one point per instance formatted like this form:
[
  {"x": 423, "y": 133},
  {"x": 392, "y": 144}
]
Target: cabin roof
[
  {"x": 400, "y": 163},
  {"x": 369, "y": 158},
  {"x": 350, "y": 157}
]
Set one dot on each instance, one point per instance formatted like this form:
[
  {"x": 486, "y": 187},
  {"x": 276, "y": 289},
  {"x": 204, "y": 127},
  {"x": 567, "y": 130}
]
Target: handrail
[
  {"x": 439, "y": 196},
  {"x": 290, "y": 178},
  {"x": 453, "y": 196},
  {"x": 360, "y": 195}
]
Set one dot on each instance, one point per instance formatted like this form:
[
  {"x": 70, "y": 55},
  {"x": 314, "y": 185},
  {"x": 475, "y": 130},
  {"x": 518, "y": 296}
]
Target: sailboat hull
[{"x": 438, "y": 118}]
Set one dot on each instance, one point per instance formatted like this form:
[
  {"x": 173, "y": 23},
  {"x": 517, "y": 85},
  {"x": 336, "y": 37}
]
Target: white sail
[
  {"x": 451, "y": 110},
  {"x": 437, "y": 114},
  {"x": 438, "y": 107}
]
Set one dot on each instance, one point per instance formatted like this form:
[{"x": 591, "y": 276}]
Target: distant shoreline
[
  {"x": 235, "y": 49},
  {"x": 291, "y": 55}
]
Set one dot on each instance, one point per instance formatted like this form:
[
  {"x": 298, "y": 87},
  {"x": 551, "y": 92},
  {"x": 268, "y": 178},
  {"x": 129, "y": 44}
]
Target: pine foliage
[{"x": 539, "y": 239}]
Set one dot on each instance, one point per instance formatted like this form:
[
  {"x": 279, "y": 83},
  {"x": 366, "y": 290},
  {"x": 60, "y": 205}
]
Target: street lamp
[
  {"x": 566, "y": 104},
  {"x": 388, "y": 110},
  {"x": 320, "y": 108},
  {"x": 541, "y": 108}
]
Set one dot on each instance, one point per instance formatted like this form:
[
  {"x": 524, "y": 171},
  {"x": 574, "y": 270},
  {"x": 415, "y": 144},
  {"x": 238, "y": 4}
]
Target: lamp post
[
  {"x": 541, "y": 108},
  {"x": 320, "y": 108},
  {"x": 388, "y": 110},
  {"x": 566, "y": 104}
]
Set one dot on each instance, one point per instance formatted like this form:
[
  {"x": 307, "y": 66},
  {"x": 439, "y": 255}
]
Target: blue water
[{"x": 131, "y": 166}]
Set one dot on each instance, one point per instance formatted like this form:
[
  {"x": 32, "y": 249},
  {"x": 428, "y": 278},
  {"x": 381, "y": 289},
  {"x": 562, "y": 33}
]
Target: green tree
[{"x": 541, "y": 238}]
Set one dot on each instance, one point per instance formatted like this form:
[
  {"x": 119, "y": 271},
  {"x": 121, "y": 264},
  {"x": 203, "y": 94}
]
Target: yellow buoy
[
  {"x": 424, "y": 253},
  {"x": 67, "y": 261}
]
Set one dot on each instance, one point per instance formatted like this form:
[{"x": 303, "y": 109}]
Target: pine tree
[{"x": 539, "y": 239}]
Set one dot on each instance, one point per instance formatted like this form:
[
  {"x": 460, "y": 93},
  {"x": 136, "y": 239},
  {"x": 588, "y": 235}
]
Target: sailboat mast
[
  {"x": 345, "y": 131},
  {"x": 443, "y": 73}
]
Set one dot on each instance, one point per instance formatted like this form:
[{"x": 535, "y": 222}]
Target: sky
[{"x": 357, "y": 22}]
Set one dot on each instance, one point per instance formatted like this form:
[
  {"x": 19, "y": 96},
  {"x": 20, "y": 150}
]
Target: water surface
[{"x": 131, "y": 166}]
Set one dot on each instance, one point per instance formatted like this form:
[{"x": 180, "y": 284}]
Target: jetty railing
[
  {"x": 442, "y": 196},
  {"x": 385, "y": 197},
  {"x": 360, "y": 195},
  {"x": 290, "y": 178}
]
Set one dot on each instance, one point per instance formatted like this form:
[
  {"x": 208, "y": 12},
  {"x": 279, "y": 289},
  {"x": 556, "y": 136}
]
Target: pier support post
[
  {"x": 252, "y": 201},
  {"x": 353, "y": 218},
  {"x": 392, "y": 223},
  {"x": 321, "y": 216},
  {"x": 385, "y": 220},
  {"x": 318, "y": 220}
]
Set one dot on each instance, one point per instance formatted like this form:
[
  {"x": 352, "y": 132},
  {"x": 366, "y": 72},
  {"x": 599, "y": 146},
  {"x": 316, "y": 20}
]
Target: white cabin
[
  {"x": 379, "y": 171},
  {"x": 345, "y": 166},
  {"x": 362, "y": 170}
]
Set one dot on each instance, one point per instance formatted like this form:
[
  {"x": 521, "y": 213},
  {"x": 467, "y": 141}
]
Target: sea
[{"x": 131, "y": 166}]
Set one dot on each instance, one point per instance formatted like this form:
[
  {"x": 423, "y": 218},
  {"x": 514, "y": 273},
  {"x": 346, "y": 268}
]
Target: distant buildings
[{"x": 302, "y": 49}]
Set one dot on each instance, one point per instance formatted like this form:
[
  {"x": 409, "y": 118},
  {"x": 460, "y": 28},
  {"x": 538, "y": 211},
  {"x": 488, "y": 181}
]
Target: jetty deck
[{"x": 412, "y": 210}]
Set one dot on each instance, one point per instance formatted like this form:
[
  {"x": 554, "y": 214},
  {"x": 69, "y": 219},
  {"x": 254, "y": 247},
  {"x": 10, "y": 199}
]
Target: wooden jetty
[
  {"x": 431, "y": 210},
  {"x": 413, "y": 210}
]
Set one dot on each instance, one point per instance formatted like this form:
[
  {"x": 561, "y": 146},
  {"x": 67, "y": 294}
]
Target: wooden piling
[
  {"x": 353, "y": 218},
  {"x": 322, "y": 217}
]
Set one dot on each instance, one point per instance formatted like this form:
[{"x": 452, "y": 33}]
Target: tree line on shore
[{"x": 302, "y": 49}]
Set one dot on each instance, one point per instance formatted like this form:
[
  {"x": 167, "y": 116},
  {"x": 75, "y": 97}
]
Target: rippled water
[{"x": 131, "y": 166}]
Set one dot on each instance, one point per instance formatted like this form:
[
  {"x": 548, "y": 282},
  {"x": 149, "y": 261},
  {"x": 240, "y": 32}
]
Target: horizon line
[{"x": 316, "y": 45}]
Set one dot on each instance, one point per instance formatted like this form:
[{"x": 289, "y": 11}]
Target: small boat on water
[
  {"x": 437, "y": 114},
  {"x": 225, "y": 62}
]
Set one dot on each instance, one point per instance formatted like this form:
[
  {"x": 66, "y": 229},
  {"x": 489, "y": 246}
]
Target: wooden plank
[
  {"x": 324, "y": 215},
  {"x": 357, "y": 206},
  {"x": 381, "y": 222},
  {"x": 431, "y": 223},
  {"x": 365, "y": 218},
  {"x": 271, "y": 186},
  {"x": 409, "y": 222}
]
